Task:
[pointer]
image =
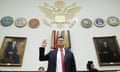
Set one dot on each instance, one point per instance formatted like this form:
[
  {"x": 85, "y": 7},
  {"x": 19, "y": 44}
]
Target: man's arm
[
  {"x": 73, "y": 64},
  {"x": 42, "y": 56}
]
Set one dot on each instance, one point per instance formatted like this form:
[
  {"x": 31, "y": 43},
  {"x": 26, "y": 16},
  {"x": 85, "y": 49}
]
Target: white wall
[{"x": 81, "y": 38}]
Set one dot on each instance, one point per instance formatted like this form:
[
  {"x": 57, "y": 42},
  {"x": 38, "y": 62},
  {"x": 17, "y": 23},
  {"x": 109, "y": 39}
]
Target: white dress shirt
[{"x": 59, "y": 62}]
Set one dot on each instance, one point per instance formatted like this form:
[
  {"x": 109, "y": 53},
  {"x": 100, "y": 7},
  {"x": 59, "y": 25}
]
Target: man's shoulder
[
  {"x": 69, "y": 50},
  {"x": 53, "y": 50}
]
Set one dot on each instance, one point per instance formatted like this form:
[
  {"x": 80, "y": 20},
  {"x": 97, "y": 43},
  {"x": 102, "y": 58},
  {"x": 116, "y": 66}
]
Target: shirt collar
[{"x": 60, "y": 48}]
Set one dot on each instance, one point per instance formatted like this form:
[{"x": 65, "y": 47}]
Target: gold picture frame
[
  {"x": 108, "y": 51},
  {"x": 12, "y": 51}
]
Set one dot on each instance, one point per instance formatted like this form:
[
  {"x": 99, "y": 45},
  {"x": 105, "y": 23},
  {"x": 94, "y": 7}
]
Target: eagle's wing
[
  {"x": 48, "y": 12},
  {"x": 71, "y": 12}
]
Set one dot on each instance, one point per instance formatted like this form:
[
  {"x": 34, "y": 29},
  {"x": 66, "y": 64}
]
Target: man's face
[
  {"x": 92, "y": 66},
  {"x": 105, "y": 44},
  {"x": 14, "y": 42},
  {"x": 60, "y": 42},
  {"x": 41, "y": 70}
]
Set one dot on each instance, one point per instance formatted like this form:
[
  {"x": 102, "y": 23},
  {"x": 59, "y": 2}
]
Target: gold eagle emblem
[{"x": 59, "y": 14}]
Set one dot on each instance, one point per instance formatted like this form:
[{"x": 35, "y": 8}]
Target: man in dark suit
[
  {"x": 11, "y": 52},
  {"x": 90, "y": 67},
  {"x": 56, "y": 62}
]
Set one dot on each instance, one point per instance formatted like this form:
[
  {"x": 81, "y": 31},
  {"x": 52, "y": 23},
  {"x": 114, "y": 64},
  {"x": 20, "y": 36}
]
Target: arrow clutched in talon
[
  {"x": 46, "y": 22},
  {"x": 71, "y": 25}
]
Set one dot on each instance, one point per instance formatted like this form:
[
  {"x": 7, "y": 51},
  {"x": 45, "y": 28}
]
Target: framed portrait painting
[
  {"x": 12, "y": 51},
  {"x": 108, "y": 51}
]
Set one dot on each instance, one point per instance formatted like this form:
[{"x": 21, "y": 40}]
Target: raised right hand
[{"x": 44, "y": 43}]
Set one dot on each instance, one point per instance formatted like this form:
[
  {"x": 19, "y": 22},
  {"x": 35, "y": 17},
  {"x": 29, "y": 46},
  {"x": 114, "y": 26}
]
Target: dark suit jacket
[{"x": 70, "y": 65}]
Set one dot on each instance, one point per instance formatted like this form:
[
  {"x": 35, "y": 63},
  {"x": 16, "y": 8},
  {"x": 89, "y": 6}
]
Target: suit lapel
[
  {"x": 55, "y": 55},
  {"x": 65, "y": 57}
]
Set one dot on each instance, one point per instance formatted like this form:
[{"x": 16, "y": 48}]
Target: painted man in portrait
[
  {"x": 108, "y": 53},
  {"x": 10, "y": 53}
]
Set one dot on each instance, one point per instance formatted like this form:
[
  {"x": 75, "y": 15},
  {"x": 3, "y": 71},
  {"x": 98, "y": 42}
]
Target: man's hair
[
  {"x": 60, "y": 37},
  {"x": 14, "y": 40},
  {"x": 88, "y": 64},
  {"x": 41, "y": 67}
]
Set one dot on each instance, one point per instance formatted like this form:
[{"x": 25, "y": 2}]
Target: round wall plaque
[
  {"x": 20, "y": 22},
  {"x": 34, "y": 23},
  {"x": 86, "y": 23},
  {"x": 113, "y": 21},
  {"x": 7, "y": 21},
  {"x": 99, "y": 22}
]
